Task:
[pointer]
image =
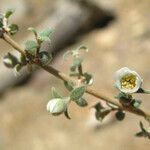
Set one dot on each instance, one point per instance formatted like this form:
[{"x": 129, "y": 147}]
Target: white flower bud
[
  {"x": 127, "y": 81},
  {"x": 57, "y": 106}
]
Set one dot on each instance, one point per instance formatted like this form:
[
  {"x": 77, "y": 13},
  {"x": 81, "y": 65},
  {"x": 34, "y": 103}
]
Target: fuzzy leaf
[
  {"x": 9, "y": 12},
  {"x": 77, "y": 93},
  {"x": 13, "y": 29},
  {"x": 68, "y": 86},
  {"x": 55, "y": 93},
  {"x": 23, "y": 60},
  {"x": 136, "y": 103},
  {"x": 46, "y": 32},
  {"x": 45, "y": 57},
  {"x": 1, "y": 21},
  {"x": 143, "y": 132},
  {"x": 33, "y": 30},
  {"x": 142, "y": 91},
  {"x": 88, "y": 78},
  {"x": 17, "y": 68},
  {"x": 77, "y": 61},
  {"x": 31, "y": 47},
  {"x": 45, "y": 35},
  {"x": 81, "y": 102},
  {"x": 10, "y": 60},
  {"x": 100, "y": 115}
]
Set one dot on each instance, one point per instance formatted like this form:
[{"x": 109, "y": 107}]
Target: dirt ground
[{"x": 24, "y": 122}]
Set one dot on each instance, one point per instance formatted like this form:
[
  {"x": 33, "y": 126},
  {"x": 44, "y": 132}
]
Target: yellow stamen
[{"x": 128, "y": 81}]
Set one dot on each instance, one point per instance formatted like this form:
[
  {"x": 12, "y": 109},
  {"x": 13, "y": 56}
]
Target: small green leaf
[
  {"x": 9, "y": 12},
  {"x": 31, "y": 47},
  {"x": 46, "y": 32},
  {"x": 83, "y": 48},
  {"x": 66, "y": 113},
  {"x": 13, "y": 29},
  {"x": 142, "y": 91},
  {"x": 81, "y": 102},
  {"x": 44, "y": 39},
  {"x": 77, "y": 93},
  {"x": 88, "y": 78},
  {"x": 77, "y": 61},
  {"x": 125, "y": 99},
  {"x": 101, "y": 112},
  {"x": 98, "y": 106},
  {"x": 73, "y": 68},
  {"x": 100, "y": 115},
  {"x": 45, "y": 58},
  {"x": 144, "y": 132},
  {"x": 33, "y": 30},
  {"x": 10, "y": 60},
  {"x": 45, "y": 35},
  {"x": 23, "y": 60},
  {"x": 17, "y": 68},
  {"x": 1, "y": 21},
  {"x": 120, "y": 115},
  {"x": 55, "y": 93},
  {"x": 68, "y": 86},
  {"x": 136, "y": 103}
]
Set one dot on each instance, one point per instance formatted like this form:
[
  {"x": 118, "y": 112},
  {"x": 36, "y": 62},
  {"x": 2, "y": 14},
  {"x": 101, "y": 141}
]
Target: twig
[{"x": 89, "y": 90}]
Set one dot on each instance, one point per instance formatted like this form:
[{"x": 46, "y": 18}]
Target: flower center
[{"x": 128, "y": 81}]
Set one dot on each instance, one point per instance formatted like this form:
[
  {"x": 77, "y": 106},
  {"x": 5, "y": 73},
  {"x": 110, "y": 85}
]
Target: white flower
[
  {"x": 127, "y": 81},
  {"x": 57, "y": 105}
]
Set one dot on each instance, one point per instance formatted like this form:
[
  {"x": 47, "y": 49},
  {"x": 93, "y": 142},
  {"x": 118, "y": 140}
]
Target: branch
[
  {"x": 64, "y": 77},
  {"x": 78, "y": 18}
]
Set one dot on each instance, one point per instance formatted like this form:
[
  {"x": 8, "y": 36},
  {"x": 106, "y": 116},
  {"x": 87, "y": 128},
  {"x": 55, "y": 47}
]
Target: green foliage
[
  {"x": 144, "y": 132},
  {"x": 17, "y": 68},
  {"x": 45, "y": 35},
  {"x": 23, "y": 60},
  {"x": 77, "y": 93},
  {"x": 68, "y": 86},
  {"x": 1, "y": 21},
  {"x": 45, "y": 57},
  {"x": 125, "y": 99},
  {"x": 13, "y": 29},
  {"x": 10, "y": 60},
  {"x": 101, "y": 112},
  {"x": 81, "y": 102},
  {"x": 55, "y": 93},
  {"x": 142, "y": 91},
  {"x": 33, "y": 30},
  {"x": 31, "y": 47},
  {"x": 136, "y": 103},
  {"x": 88, "y": 78},
  {"x": 8, "y": 13}
]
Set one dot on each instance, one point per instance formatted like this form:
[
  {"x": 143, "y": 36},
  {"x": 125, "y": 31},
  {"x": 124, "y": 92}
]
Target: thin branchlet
[{"x": 64, "y": 77}]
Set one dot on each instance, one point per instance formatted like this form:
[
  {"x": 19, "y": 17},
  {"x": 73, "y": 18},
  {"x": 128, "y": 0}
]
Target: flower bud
[
  {"x": 10, "y": 61},
  {"x": 57, "y": 106},
  {"x": 127, "y": 81}
]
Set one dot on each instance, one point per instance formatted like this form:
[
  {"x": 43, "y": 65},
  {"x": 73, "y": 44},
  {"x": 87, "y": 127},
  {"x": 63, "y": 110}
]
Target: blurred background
[{"x": 117, "y": 33}]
